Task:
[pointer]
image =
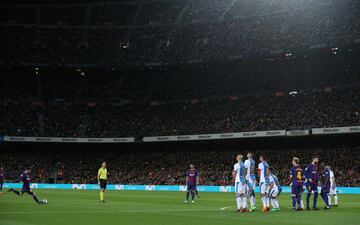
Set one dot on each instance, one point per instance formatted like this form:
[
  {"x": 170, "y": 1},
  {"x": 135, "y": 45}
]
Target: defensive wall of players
[
  {"x": 120, "y": 187},
  {"x": 252, "y": 134}
]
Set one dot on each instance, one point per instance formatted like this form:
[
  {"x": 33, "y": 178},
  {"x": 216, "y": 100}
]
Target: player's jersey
[
  {"x": 2, "y": 176},
  {"x": 264, "y": 170},
  {"x": 273, "y": 179},
  {"x": 331, "y": 179},
  {"x": 241, "y": 172},
  {"x": 250, "y": 166},
  {"x": 297, "y": 176},
  {"x": 25, "y": 178},
  {"x": 311, "y": 172},
  {"x": 192, "y": 175},
  {"x": 102, "y": 173},
  {"x": 326, "y": 178},
  {"x": 236, "y": 169}
]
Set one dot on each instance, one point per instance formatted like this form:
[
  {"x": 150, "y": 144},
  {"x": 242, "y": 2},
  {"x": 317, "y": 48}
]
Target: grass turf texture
[{"x": 81, "y": 207}]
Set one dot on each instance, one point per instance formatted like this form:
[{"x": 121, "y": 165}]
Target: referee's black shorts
[{"x": 103, "y": 183}]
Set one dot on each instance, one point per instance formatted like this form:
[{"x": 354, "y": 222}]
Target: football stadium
[{"x": 174, "y": 112}]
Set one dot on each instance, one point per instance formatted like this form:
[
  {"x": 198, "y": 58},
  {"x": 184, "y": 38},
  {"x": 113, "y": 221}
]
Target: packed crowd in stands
[
  {"x": 173, "y": 32},
  {"x": 168, "y": 168},
  {"x": 187, "y": 67},
  {"x": 173, "y": 101}
]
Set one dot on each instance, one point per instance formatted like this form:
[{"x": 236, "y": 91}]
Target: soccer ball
[{"x": 44, "y": 201}]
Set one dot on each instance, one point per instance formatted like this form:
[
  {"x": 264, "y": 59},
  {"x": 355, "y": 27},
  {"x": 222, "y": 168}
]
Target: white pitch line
[
  {"x": 109, "y": 211},
  {"x": 226, "y": 207}
]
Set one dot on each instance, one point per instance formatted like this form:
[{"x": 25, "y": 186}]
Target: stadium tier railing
[{"x": 251, "y": 134}]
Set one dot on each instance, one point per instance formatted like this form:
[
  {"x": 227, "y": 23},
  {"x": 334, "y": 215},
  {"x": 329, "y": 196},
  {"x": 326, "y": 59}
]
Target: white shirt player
[
  {"x": 250, "y": 166},
  {"x": 332, "y": 184},
  {"x": 261, "y": 167},
  {"x": 236, "y": 169}
]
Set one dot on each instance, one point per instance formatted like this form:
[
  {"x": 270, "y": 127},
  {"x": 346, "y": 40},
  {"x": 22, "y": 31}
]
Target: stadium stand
[
  {"x": 172, "y": 32},
  {"x": 192, "y": 100},
  {"x": 145, "y": 68},
  {"x": 167, "y": 168}
]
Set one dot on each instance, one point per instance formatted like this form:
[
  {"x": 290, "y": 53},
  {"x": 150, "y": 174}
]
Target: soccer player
[
  {"x": 333, "y": 191},
  {"x": 325, "y": 188},
  {"x": 102, "y": 181},
  {"x": 264, "y": 173},
  {"x": 250, "y": 176},
  {"x": 197, "y": 193},
  {"x": 2, "y": 178},
  {"x": 275, "y": 191},
  {"x": 296, "y": 179},
  {"x": 25, "y": 179},
  {"x": 236, "y": 183},
  {"x": 241, "y": 184},
  {"x": 312, "y": 181},
  {"x": 192, "y": 179}
]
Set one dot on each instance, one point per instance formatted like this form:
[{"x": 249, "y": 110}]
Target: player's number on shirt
[{"x": 298, "y": 176}]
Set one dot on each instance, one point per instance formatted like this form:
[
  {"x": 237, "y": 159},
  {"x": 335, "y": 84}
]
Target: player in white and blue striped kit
[
  {"x": 264, "y": 174},
  {"x": 251, "y": 177},
  {"x": 241, "y": 184},
  {"x": 275, "y": 190}
]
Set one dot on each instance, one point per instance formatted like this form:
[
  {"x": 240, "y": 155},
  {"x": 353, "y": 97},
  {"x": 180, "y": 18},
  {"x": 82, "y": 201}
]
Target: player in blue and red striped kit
[
  {"x": 192, "y": 179},
  {"x": 296, "y": 179},
  {"x": 25, "y": 179},
  {"x": 325, "y": 188},
  {"x": 312, "y": 181}
]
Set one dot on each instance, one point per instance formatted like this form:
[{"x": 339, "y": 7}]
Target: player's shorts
[
  {"x": 264, "y": 188},
  {"x": 240, "y": 188},
  {"x": 333, "y": 191},
  {"x": 311, "y": 187},
  {"x": 325, "y": 190},
  {"x": 251, "y": 183},
  {"x": 275, "y": 191},
  {"x": 296, "y": 190},
  {"x": 191, "y": 187},
  {"x": 26, "y": 190},
  {"x": 103, "y": 183}
]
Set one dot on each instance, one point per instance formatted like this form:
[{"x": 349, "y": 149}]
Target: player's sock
[
  {"x": 252, "y": 201},
  {"x": 101, "y": 196},
  {"x": 244, "y": 202},
  {"x": 197, "y": 193},
  {"x": 192, "y": 195},
  {"x": 252, "y": 198},
  {"x": 272, "y": 203},
  {"x": 1, "y": 185},
  {"x": 325, "y": 198},
  {"x": 329, "y": 199},
  {"x": 267, "y": 200},
  {"x": 302, "y": 203},
  {"x": 36, "y": 199},
  {"x": 308, "y": 199},
  {"x": 299, "y": 201},
  {"x": 276, "y": 201},
  {"x": 315, "y": 199},
  {"x": 293, "y": 201},
  {"x": 238, "y": 202},
  {"x": 187, "y": 196},
  {"x": 15, "y": 191},
  {"x": 263, "y": 201},
  {"x": 336, "y": 200}
]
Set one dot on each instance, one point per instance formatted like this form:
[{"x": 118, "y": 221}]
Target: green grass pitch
[{"x": 81, "y": 207}]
